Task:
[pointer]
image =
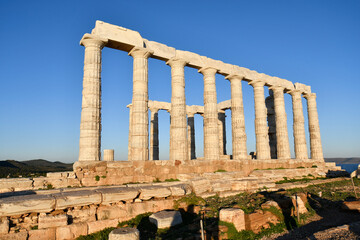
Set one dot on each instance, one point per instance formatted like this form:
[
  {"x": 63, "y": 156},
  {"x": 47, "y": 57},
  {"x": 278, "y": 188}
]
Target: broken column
[
  {"x": 139, "y": 112},
  {"x": 298, "y": 126},
  {"x": 282, "y": 138},
  {"x": 237, "y": 118},
  {"x": 90, "y": 126},
  {"x": 314, "y": 128},
  {"x": 178, "y": 125},
  {"x": 108, "y": 154},
  {"x": 261, "y": 128},
  {"x": 211, "y": 132}
]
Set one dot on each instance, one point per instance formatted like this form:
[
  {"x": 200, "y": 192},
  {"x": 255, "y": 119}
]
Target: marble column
[
  {"x": 178, "y": 126},
  {"x": 191, "y": 136},
  {"x": 90, "y": 126},
  {"x": 139, "y": 115},
  {"x": 282, "y": 138},
  {"x": 298, "y": 125},
  {"x": 269, "y": 102},
  {"x": 314, "y": 128},
  {"x": 239, "y": 149},
  {"x": 211, "y": 132},
  {"x": 129, "y": 138},
  {"x": 261, "y": 128},
  {"x": 154, "y": 134},
  {"x": 222, "y": 132}
]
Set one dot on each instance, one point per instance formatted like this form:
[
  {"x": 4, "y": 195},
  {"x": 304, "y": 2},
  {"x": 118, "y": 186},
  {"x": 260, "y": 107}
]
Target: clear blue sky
[{"x": 41, "y": 66}]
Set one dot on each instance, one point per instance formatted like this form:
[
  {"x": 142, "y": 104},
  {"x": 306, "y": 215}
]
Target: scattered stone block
[
  {"x": 82, "y": 215},
  {"x": 124, "y": 234},
  {"x": 18, "y": 205},
  {"x": 15, "y": 236},
  {"x": 42, "y": 234},
  {"x": 235, "y": 216},
  {"x": 353, "y": 205},
  {"x": 71, "y": 231},
  {"x": 147, "y": 193},
  {"x": 300, "y": 205},
  {"x": 166, "y": 219},
  {"x": 117, "y": 194},
  {"x": 77, "y": 198},
  {"x": 100, "y": 225},
  {"x": 49, "y": 221},
  {"x": 260, "y": 219},
  {"x": 4, "y": 225},
  {"x": 110, "y": 212}
]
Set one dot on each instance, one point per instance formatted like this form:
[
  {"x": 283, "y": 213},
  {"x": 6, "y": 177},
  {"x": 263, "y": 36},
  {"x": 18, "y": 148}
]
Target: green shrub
[{"x": 97, "y": 178}]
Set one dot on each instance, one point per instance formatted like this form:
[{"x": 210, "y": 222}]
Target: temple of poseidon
[{"x": 114, "y": 191}]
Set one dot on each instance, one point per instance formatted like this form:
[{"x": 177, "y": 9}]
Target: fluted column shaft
[
  {"x": 178, "y": 125},
  {"x": 154, "y": 135},
  {"x": 90, "y": 126},
  {"x": 298, "y": 126},
  {"x": 191, "y": 136},
  {"x": 269, "y": 102},
  {"x": 211, "y": 132},
  {"x": 314, "y": 128},
  {"x": 261, "y": 129},
  {"x": 239, "y": 149},
  {"x": 130, "y": 133},
  {"x": 282, "y": 137},
  {"x": 222, "y": 132},
  {"x": 139, "y": 115}
]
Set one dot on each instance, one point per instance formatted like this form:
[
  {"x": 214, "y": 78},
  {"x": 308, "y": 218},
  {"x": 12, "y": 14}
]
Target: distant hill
[
  {"x": 351, "y": 160},
  {"x": 31, "y": 168}
]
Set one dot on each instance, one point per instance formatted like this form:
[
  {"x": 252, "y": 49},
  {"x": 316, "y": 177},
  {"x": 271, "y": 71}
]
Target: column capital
[
  {"x": 139, "y": 52},
  {"x": 234, "y": 76},
  {"x": 257, "y": 83},
  {"x": 176, "y": 62},
  {"x": 295, "y": 92},
  {"x": 154, "y": 110},
  {"x": 89, "y": 40},
  {"x": 309, "y": 96},
  {"x": 208, "y": 71},
  {"x": 277, "y": 88}
]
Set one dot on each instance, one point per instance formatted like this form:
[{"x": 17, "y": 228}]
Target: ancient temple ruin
[{"x": 107, "y": 35}]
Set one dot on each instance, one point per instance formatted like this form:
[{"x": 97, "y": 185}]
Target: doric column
[
  {"x": 139, "y": 111},
  {"x": 237, "y": 118},
  {"x": 282, "y": 138},
  {"x": 129, "y": 138},
  {"x": 90, "y": 126},
  {"x": 314, "y": 128},
  {"x": 222, "y": 132},
  {"x": 298, "y": 126},
  {"x": 269, "y": 102},
  {"x": 191, "y": 135},
  {"x": 178, "y": 126},
  {"x": 211, "y": 132},
  {"x": 261, "y": 128},
  {"x": 154, "y": 134}
]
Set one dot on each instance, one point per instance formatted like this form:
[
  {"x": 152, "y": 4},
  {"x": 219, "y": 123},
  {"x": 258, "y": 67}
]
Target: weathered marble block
[{"x": 166, "y": 219}]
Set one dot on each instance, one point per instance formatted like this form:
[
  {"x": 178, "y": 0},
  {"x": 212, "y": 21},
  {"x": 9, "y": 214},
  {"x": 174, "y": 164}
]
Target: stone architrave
[
  {"x": 298, "y": 126},
  {"x": 282, "y": 138},
  {"x": 237, "y": 118},
  {"x": 269, "y": 101},
  {"x": 261, "y": 128},
  {"x": 154, "y": 134},
  {"x": 314, "y": 128},
  {"x": 222, "y": 132},
  {"x": 139, "y": 111},
  {"x": 211, "y": 132},
  {"x": 191, "y": 136},
  {"x": 178, "y": 125},
  {"x": 90, "y": 126}
]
